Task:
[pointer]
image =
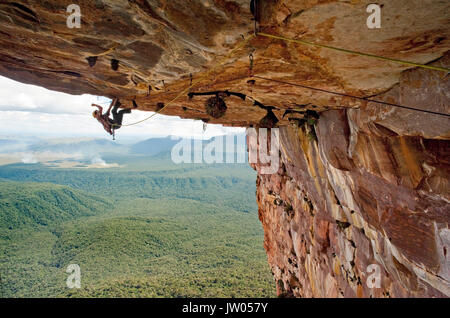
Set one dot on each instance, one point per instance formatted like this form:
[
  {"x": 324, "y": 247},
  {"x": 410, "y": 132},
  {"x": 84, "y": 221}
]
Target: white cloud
[
  {"x": 35, "y": 111},
  {"x": 15, "y": 96},
  {"x": 29, "y": 158}
]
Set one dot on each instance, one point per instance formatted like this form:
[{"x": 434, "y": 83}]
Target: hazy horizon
[{"x": 32, "y": 111}]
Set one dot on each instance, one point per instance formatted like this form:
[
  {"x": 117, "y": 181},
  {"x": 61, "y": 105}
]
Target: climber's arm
[{"x": 100, "y": 108}]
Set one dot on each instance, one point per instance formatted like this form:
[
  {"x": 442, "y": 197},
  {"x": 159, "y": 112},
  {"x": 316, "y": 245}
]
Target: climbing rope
[
  {"x": 351, "y": 96},
  {"x": 436, "y": 68},
  {"x": 256, "y": 33},
  {"x": 195, "y": 82},
  {"x": 110, "y": 50}
]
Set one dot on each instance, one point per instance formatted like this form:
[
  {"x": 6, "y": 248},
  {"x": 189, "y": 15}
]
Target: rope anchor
[
  {"x": 252, "y": 76},
  {"x": 250, "y": 71},
  {"x": 195, "y": 82}
]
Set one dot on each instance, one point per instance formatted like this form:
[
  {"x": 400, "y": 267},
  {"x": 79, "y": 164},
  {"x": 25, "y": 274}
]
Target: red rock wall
[
  {"x": 367, "y": 186},
  {"x": 160, "y": 43},
  {"x": 367, "y": 190}
]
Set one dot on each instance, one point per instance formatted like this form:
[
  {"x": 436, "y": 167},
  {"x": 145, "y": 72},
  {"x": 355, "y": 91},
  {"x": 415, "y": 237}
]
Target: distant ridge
[
  {"x": 88, "y": 146},
  {"x": 34, "y": 204},
  {"x": 161, "y": 147},
  {"x": 153, "y": 146}
]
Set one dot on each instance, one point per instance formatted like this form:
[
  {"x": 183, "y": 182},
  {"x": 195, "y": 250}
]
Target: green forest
[{"x": 148, "y": 229}]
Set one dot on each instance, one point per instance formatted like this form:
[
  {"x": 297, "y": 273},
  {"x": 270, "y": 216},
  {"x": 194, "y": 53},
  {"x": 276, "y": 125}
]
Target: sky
[{"x": 28, "y": 111}]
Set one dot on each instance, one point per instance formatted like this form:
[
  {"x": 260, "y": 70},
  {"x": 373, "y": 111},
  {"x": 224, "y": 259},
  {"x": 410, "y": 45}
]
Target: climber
[{"x": 110, "y": 125}]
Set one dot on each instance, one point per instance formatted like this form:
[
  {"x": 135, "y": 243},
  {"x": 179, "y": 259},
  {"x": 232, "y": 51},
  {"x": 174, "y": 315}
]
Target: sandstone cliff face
[
  {"x": 364, "y": 195},
  {"x": 159, "y": 43},
  {"x": 364, "y": 188}
]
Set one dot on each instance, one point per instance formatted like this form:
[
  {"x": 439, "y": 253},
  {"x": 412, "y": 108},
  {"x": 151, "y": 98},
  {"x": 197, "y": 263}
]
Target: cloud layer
[{"x": 28, "y": 110}]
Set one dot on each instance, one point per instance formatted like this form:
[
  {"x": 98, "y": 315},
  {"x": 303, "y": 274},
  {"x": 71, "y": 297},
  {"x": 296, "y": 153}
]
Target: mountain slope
[
  {"x": 33, "y": 204},
  {"x": 231, "y": 185},
  {"x": 90, "y": 146},
  {"x": 153, "y": 146}
]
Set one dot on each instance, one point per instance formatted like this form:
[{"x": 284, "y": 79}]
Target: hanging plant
[
  {"x": 268, "y": 121},
  {"x": 215, "y": 107}
]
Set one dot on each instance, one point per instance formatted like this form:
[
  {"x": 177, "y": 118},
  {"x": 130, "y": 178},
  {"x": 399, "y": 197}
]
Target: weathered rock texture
[
  {"x": 356, "y": 196},
  {"x": 365, "y": 184}
]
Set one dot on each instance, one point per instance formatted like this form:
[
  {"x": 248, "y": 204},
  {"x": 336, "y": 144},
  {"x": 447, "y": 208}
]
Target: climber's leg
[
  {"x": 114, "y": 103},
  {"x": 118, "y": 116}
]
